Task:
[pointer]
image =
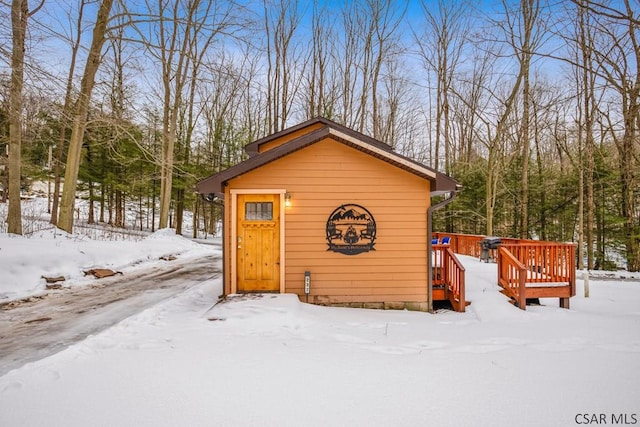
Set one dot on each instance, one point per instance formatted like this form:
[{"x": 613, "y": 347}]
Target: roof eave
[{"x": 440, "y": 183}]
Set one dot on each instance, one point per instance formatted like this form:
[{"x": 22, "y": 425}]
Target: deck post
[
  {"x": 522, "y": 289},
  {"x": 564, "y": 303},
  {"x": 585, "y": 278}
]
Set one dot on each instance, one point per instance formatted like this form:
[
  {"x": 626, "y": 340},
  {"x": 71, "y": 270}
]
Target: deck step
[
  {"x": 466, "y": 303},
  {"x": 510, "y": 299}
]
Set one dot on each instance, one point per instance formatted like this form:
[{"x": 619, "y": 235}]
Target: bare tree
[
  {"x": 523, "y": 33},
  {"x": 58, "y": 159},
  {"x": 348, "y": 60},
  {"x": 617, "y": 54},
  {"x": 281, "y": 19},
  {"x": 67, "y": 206},
  {"x": 440, "y": 48},
  {"x": 386, "y": 17},
  {"x": 494, "y": 137},
  {"x": 116, "y": 118},
  {"x": 171, "y": 42},
  {"x": 369, "y": 40},
  {"x": 19, "y": 16},
  {"x": 174, "y": 53},
  {"x": 320, "y": 94},
  {"x": 394, "y": 111},
  {"x": 525, "y": 50},
  {"x": 517, "y": 28},
  {"x": 197, "y": 54},
  {"x": 227, "y": 110},
  {"x": 585, "y": 77}
]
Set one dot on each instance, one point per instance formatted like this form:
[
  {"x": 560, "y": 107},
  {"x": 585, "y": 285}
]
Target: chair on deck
[
  {"x": 434, "y": 241},
  {"x": 445, "y": 240}
]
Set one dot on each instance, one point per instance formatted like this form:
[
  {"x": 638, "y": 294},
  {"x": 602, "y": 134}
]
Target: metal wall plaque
[{"x": 351, "y": 230}]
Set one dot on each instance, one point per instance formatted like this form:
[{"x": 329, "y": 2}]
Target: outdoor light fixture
[{"x": 287, "y": 199}]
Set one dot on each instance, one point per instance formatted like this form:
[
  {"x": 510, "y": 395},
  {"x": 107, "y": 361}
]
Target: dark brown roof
[
  {"x": 215, "y": 183},
  {"x": 253, "y": 148}
]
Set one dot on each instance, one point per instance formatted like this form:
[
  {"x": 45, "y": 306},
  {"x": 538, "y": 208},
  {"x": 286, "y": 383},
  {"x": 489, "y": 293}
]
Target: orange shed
[{"x": 331, "y": 215}]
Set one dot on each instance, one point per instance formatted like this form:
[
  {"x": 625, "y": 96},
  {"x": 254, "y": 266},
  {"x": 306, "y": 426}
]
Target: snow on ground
[
  {"x": 274, "y": 361},
  {"x": 48, "y": 251},
  {"x": 54, "y": 253}
]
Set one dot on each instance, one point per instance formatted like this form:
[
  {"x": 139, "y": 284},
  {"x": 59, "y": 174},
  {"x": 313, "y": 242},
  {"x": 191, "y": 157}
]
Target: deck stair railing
[
  {"x": 527, "y": 269},
  {"x": 512, "y": 276},
  {"x": 449, "y": 275}
]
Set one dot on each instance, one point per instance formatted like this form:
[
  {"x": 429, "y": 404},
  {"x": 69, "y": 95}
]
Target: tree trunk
[
  {"x": 103, "y": 191},
  {"x": 491, "y": 188},
  {"x": 119, "y": 196},
  {"x": 19, "y": 15},
  {"x": 590, "y": 202},
  {"x": 600, "y": 237},
  {"x": 91, "y": 218},
  {"x": 617, "y": 62},
  {"x": 629, "y": 205},
  {"x": 195, "y": 218},
  {"x": 65, "y": 221},
  {"x": 587, "y": 163},
  {"x": 64, "y": 119},
  {"x": 524, "y": 194},
  {"x": 110, "y": 204},
  {"x": 153, "y": 207},
  {"x": 179, "y": 210},
  {"x": 140, "y": 212},
  {"x": 529, "y": 17},
  {"x": 174, "y": 74}
]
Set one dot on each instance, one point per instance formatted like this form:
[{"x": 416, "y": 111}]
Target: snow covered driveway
[{"x": 39, "y": 326}]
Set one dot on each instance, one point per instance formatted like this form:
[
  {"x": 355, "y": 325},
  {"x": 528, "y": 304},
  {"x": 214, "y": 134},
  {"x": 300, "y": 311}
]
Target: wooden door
[{"x": 258, "y": 242}]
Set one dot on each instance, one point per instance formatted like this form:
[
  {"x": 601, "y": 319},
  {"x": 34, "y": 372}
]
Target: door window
[{"x": 258, "y": 211}]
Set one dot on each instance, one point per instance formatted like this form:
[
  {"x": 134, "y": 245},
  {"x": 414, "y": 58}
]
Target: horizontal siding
[
  {"x": 345, "y": 299},
  {"x": 358, "y": 263},
  {"x": 326, "y": 175},
  {"x": 300, "y": 249},
  {"x": 401, "y": 222},
  {"x": 373, "y": 288},
  {"x": 348, "y": 272}
]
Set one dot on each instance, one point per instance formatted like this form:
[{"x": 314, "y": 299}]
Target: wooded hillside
[{"x": 534, "y": 106}]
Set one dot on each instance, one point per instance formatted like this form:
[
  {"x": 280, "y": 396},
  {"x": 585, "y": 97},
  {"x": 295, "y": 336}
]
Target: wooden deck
[{"x": 527, "y": 269}]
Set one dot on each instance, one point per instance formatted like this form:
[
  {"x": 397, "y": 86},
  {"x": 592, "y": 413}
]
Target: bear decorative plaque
[{"x": 351, "y": 230}]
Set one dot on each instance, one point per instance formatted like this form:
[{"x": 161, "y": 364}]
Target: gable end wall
[{"x": 324, "y": 176}]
